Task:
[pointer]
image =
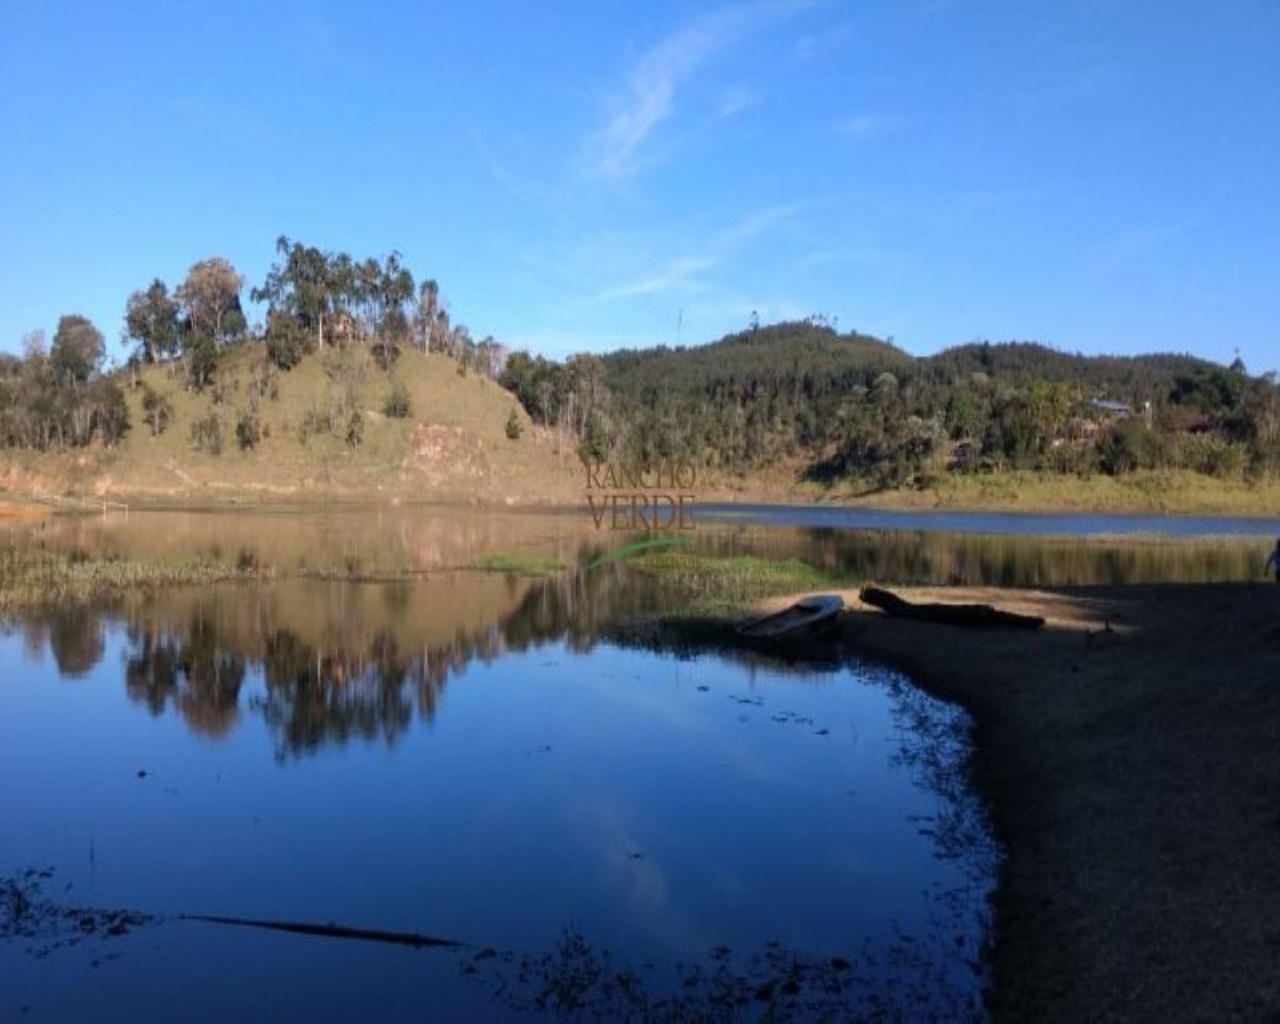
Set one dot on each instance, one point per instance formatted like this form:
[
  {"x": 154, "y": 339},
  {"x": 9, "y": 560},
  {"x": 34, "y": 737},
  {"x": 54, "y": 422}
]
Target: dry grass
[
  {"x": 1162, "y": 492},
  {"x": 452, "y": 448},
  {"x": 1133, "y": 777},
  {"x": 16, "y": 513}
]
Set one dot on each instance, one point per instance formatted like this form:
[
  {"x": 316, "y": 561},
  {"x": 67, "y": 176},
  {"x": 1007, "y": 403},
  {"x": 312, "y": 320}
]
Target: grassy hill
[{"x": 452, "y": 446}]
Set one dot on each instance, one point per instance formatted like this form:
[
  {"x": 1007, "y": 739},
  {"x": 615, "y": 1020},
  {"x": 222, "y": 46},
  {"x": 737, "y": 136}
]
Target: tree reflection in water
[
  {"x": 76, "y": 645},
  {"x": 335, "y": 666},
  {"x": 326, "y": 664},
  {"x": 345, "y": 660},
  {"x": 188, "y": 670}
]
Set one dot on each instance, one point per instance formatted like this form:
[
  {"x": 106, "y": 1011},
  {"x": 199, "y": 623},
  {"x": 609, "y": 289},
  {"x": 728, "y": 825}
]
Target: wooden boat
[{"x": 804, "y": 618}]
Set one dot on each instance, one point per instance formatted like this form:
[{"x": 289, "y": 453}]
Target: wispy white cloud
[
  {"x": 863, "y": 126},
  {"x": 515, "y": 183},
  {"x": 1139, "y": 243},
  {"x": 734, "y": 101},
  {"x": 756, "y": 222},
  {"x": 679, "y": 274},
  {"x": 864, "y": 254},
  {"x": 653, "y": 83},
  {"x": 655, "y": 80},
  {"x": 815, "y": 44},
  {"x": 688, "y": 272}
]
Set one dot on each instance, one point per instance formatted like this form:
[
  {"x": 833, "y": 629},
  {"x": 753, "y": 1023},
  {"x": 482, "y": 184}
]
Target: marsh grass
[
  {"x": 34, "y": 578},
  {"x": 714, "y": 583},
  {"x": 520, "y": 565}
]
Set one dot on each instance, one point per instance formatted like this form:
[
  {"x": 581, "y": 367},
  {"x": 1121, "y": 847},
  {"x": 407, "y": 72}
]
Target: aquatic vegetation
[
  {"x": 36, "y": 577},
  {"x": 46, "y": 924},
  {"x": 525, "y": 565},
  {"x": 715, "y": 583},
  {"x": 577, "y": 980}
]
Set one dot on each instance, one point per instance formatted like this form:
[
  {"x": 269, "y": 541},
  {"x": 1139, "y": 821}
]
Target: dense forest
[
  {"x": 851, "y": 406},
  {"x": 827, "y": 405}
]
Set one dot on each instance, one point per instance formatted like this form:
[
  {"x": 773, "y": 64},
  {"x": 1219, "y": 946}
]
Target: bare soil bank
[
  {"x": 11, "y": 513},
  {"x": 1130, "y": 757}
]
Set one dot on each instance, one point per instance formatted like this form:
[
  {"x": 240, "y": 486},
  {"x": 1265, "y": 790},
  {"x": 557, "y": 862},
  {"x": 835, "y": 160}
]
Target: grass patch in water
[
  {"x": 38, "y": 578},
  {"x": 528, "y": 565},
  {"x": 716, "y": 583}
]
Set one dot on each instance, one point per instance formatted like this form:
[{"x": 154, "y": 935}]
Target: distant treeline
[{"x": 851, "y": 406}]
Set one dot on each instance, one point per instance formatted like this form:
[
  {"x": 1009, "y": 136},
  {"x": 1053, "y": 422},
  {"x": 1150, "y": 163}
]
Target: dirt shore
[
  {"x": 1130, "y": 757},
  {"x": 10, "y": 512}
]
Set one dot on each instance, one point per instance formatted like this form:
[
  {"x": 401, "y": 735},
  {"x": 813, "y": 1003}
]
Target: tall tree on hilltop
[
  {"x": 151, "y": 319},
  {"x": 210, "y": 301},
  {"x": 432, "y": 324},
  {"x": 394, "y": 292},
  {"x": 303, "y": 286},
  {"x": 77, "y": 350}
]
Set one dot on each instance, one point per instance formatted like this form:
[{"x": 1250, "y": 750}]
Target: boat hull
[{"x": 804, "y": 618}]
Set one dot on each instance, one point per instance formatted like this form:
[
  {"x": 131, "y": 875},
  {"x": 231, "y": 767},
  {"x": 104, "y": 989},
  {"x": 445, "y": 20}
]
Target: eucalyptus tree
[
  {"x": 77, "y": 351},
  {"x": 432, "y": 319},
  {"x": 491, "y": 357},
  {"x": 394, "y": 291},
  {"x": 345, "y": 279},
  {"x": 151, "y": 320},
  {"x": 209, "y": 299},
  {"x": 302, "y": 286}
]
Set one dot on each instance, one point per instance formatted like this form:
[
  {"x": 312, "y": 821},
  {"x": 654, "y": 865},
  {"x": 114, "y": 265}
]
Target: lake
[
  {"x": 609, "y": 826},
  {"x": 605, "y": 828}
]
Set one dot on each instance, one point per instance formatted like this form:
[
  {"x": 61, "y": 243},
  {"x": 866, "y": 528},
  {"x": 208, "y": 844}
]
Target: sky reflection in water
[{"x": 498, "y": 784}]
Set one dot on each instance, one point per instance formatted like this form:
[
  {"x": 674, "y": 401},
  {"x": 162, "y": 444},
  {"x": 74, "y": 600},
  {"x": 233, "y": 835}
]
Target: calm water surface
[
  {"x": 938, "y": 548},
  {"x": 1023, "y": 524},
  {"x": 609, "y": 830}
]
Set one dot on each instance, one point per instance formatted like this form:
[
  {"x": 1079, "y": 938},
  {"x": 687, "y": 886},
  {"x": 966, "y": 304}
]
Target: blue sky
[{"x": 1100, "y": 176}]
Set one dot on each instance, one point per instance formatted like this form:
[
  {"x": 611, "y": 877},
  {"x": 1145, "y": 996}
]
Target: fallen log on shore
[{"x": 977, "y": 616}]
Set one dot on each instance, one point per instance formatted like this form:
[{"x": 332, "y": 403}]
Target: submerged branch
[{"x": 328, "y": 931}]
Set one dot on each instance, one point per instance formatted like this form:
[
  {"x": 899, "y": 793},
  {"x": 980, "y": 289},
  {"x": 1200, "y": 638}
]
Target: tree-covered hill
[
  {"x": 1125, "y": 378},
  {"x": 848, "y": 406},
  {"x": 803, "y": 350}
]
